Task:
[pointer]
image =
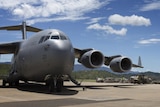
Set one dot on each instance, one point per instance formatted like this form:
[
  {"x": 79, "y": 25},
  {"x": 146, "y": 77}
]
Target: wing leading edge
[{"x": 78, "y": 52}]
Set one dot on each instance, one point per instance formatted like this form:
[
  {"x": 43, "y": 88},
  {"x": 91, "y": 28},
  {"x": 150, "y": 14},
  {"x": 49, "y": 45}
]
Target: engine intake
[
  {"x": 92, "y": 59},
  {"x": 121, "y": 64}
]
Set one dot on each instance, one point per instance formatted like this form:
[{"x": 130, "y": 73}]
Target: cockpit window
[
  {"x": 55, "y": 37},
  {"x": 63, "y": 37},
  {"x": 44, "y": 38},
  {"x": 41, "y": 40},
  {"x": 58, "y": 36}
]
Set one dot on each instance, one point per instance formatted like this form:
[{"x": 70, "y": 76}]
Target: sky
[{"x": 125, "y": 27}]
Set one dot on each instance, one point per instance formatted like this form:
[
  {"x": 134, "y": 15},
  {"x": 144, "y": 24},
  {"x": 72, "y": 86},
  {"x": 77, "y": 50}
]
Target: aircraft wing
[
  {"x": 137, "y": 66},
  {"x": 79, "y": 52},
  {"x": 11, "y": 47},
  {"x": 92, "y": 59},
  {"x": 110, "y": 58}
]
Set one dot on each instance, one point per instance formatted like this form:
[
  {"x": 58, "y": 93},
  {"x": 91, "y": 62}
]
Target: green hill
[
  {"x": 93, "y": 74},
  {"x": 4, "y": 68}
]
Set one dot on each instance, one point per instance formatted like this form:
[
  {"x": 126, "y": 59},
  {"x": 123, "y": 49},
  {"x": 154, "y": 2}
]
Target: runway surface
[{"x": 101, "y": 95}]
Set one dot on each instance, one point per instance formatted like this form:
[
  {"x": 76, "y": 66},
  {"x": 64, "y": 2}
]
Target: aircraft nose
[
  {"x": 63, "y": 46},
  {"x": 62, "y": 57},
  {"x": 63, "y": 50}
]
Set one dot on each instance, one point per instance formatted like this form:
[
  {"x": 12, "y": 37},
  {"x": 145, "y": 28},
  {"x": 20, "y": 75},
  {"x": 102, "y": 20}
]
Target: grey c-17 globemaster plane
[{"x": 49, "y": 55}]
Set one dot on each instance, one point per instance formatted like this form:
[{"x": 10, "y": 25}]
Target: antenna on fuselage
[{"x": 24, "y": 28}]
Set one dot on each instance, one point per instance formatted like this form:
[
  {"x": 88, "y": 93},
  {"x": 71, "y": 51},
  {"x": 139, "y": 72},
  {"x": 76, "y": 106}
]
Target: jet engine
[
  {"x": 121, "y": 64},
  {"x": 92, "y": 59}
]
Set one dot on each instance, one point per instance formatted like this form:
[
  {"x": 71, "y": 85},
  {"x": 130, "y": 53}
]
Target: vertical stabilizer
[{"x": 24, "y": 36}]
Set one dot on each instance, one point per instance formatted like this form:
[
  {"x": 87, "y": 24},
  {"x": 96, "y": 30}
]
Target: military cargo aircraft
[{"x": 49, "y": 55}]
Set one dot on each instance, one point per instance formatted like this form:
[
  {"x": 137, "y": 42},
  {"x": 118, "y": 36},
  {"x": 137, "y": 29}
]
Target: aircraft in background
[{"x": 49, "y": 55}]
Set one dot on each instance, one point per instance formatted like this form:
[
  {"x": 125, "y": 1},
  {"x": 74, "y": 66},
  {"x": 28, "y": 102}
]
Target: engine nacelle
[
  {"x": 92, "y": 59},
  {"x": 121, "y": 64}
]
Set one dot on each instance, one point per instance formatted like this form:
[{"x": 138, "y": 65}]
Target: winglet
[
  {"x": 139, "y": 61},
  {"x": 139, "y": 65}
]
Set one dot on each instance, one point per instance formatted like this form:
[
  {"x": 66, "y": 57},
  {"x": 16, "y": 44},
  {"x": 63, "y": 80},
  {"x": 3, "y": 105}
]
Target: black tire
[
  {"x": 59, "y": 85},
  {"x": 10, "y": 84},
  {"x": 4, "y": 83},
  {"x": 17, "y": 83},
  {"x": 51, "y": 87}
]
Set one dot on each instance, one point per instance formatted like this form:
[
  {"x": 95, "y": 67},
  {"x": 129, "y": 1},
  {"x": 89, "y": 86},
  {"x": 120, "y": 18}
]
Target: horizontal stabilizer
[
  {"x": 23, "y": 28},
  {"x": 20, "y": 27}
]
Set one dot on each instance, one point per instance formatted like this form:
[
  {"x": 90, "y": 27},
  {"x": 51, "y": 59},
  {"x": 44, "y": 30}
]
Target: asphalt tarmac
[{"x": 94, "y": 95}]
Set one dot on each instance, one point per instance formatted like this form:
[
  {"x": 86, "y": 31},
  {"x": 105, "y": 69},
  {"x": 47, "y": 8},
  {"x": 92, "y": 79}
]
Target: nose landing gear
[{"x": 55, "y": 83}]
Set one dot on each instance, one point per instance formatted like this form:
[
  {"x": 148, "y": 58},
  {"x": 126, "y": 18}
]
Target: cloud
[
  {"x": 59, "y": 9},
  {"x": 117, "y": 19},
  {"x": 108, "y": 29},
  {"x": 149, "y": 41},
  {"x": 95, "y": 20},
  {"x": 133, "y": 20},
  {"x": 154, "y": 5},
  {"x": 67, "y": 18}
]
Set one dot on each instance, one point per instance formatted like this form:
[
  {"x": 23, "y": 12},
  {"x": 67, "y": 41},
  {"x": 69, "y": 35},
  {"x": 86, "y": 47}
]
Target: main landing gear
[
  {"x": 12, "y": 79},
  {"x": 55, "y": 83},
  {"x": 10, "y": 82}
]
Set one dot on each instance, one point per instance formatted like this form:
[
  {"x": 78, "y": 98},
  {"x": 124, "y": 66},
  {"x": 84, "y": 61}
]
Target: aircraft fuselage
[{"x": 49, "y": 52}]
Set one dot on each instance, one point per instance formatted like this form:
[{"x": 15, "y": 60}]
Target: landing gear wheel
[
  {"x": 10, "y": 84},
  {"x": 14, "y": 84},
  {"x": 4, "y": 83},
  {"x": 17, "y": 83},
  {"x": 59, "y": 85},
  {"x": 51, "y": 87},
  {"x": 55, "y": 83}
]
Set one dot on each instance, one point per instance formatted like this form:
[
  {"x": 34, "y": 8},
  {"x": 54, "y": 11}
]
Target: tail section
[{"x": 23, "y": 28}]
